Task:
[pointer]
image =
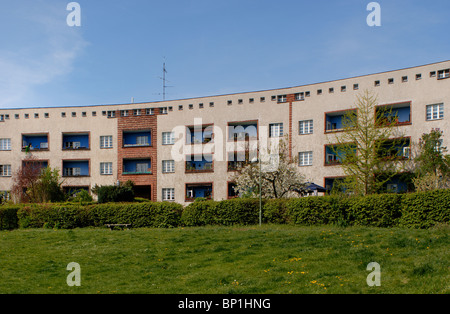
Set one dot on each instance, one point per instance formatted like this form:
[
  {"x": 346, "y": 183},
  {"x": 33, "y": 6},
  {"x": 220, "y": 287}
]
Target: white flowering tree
[{"x": 277, "y": 173}]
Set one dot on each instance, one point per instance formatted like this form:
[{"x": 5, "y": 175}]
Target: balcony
[
  {"x": 137, "y": 138},
  {"x": 393, "y": 115},
  {"x": 35, "y": 142},
  {"x": 199, "y": 164},
  {"x": 136, "y": 166},
  {"x": 75, "y": 141},
  {"x": 196, "y": 190},
  {"x": 339, "y": 120},
  {"x": 395, "y": 149},
  {"x": 242, "y": 131},
  {"x": 199, "y": 134},
  {"x": 336, "y": 154},
  {"x": 75, "y": 168}
]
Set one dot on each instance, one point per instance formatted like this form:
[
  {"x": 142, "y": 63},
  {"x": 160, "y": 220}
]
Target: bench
[{"x": 112, "y": 226}]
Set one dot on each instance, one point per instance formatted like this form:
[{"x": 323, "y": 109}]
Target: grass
[{"x": 271, "y": 259}]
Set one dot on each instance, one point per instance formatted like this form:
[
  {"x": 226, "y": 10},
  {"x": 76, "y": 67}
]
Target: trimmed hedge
[
  {"x": 8, "y": 217},
  {"x": 151, "y": 214},
  {"x": 415, "y": 210},
  {"x": 425, "y": 209}
]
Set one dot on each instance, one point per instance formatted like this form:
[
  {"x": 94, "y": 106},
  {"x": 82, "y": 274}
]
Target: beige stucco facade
[{"x": 418, "y": 86}]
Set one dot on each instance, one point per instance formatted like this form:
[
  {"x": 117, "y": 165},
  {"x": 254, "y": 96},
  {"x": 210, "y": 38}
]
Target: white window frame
[
  {"x": 72, "y": 172},
  {"x": 305, "y": 158},
  {"x": 168, "y": 194},
  {"x": 276, "y": 130},
  {"x": 142, "y": 140},
  {"x": 435, "y": 112},
  {"x": 106, "y": 168},
  {"x": 142, "y": 167},
  {"x": 106, "y": 141},
  {"x": 306, "y": 127},
  {"x": 168, "y": 138},
  {"x": 168, "y": 166},
  {"x": 5, "y": 144},
  {"x": 5, "y": 171}
]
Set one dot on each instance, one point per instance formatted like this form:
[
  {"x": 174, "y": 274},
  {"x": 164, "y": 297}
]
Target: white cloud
[{"x": 46, "y": 53}]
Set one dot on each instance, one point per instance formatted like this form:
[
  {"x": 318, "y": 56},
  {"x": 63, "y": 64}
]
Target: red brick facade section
[{"x": 136, "y": 123}]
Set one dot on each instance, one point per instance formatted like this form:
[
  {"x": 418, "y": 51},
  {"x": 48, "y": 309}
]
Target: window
[
  {"x": 163, "y": 110},
  {"x": 211, "y": 104},
  {"x": 355, "y": 86},
  {"x": 442, "y": 74},
  {"x": 306, "y": 127},
  {"x": 300, "y": 96},
  {"x": 72, "y": 172},
  {"x": 331, "y": 90},
  {"x": 46, "y": 115},
  {"x": 137, "y": 112},
  {"x": 5, "y": 144},
  {"x": 343, "y": 88},
  {"x": 111, "y": 114},
  {"x": 106, "y": 141},
  {"x": 168, "y": 194},
  {"x": 229, "y": 102},
  {"x": 84, "y": 114},
  {"x": 36, "y": 115},
  {"x": 307, "y": 94},
  {"x": 319, "y": 92},
  {"x": 305, "y": 158},
  {"x": 276, "y": 130},
  {"x": 168, "y": 138},
  {"x": 377, "y": 83},
  {"x": 180, "y": 107},
  {"x": 251, "y": 100},
  {"x": 262, "y": 99},
  {"x": 26, "y": 116},
  {"x": 63, "y": 114},
  {"x": 200, "y": 105},
  {"x": 16, "y": 116},
  {"x": 124, "y": 113},
  {"x": 240, "y": 101},
  {"x": 141, "y": 167},
  {"x": 418, "y": 76},
  {"x": 106, "y": 168},
  {"x": 5, "y": 170},
  {"x": 94, "y": 113},
  {"x": 435, "y": 112},
  {"x": 168, "y": 166},
  {"x": 74, "y": 114},
  {"x": 404, "y": 79},
  {"x": 149, "y": 111},
  {"x": 391, "y": 81},
  {"x": 433, "y": 74},
  {"x": 142, "y": 140},
  {"x": 191, "y": 106}
]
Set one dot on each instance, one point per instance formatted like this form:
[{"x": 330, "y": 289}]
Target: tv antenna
[{"x": 164, "y": 80}]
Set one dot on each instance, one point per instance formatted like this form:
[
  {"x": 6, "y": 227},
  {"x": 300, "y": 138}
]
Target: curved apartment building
[{"x": 178, "y": 150}]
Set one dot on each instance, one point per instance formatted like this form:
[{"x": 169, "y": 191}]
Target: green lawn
[{"x": 246, "y": 260}]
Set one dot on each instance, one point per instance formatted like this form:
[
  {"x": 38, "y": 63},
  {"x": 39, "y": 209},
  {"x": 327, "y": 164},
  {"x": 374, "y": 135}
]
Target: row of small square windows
[{"x": 441, "y": 74}]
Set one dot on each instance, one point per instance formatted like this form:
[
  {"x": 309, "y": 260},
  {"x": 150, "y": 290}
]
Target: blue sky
[{"x": 210, "y": 47}]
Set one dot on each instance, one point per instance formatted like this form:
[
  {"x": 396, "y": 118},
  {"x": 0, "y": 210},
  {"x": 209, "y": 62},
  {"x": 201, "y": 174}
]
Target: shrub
[
  {"x": 8, "y": 217},
  {"x": 238, "y": 211},
  {"x": 276, "y": 211},
  {"x": 425, "y": 209},
  {"x": 200, "y": 214},
  {"x": 378, "y": 210},
  {"x": 317, "y": 210},
  {"x": 114, "y": 193}
]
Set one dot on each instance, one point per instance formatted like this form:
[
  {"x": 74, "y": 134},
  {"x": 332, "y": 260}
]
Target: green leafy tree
[
  {"x": 432, "y": 164},
  {"x": 368, "y": 146}
]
